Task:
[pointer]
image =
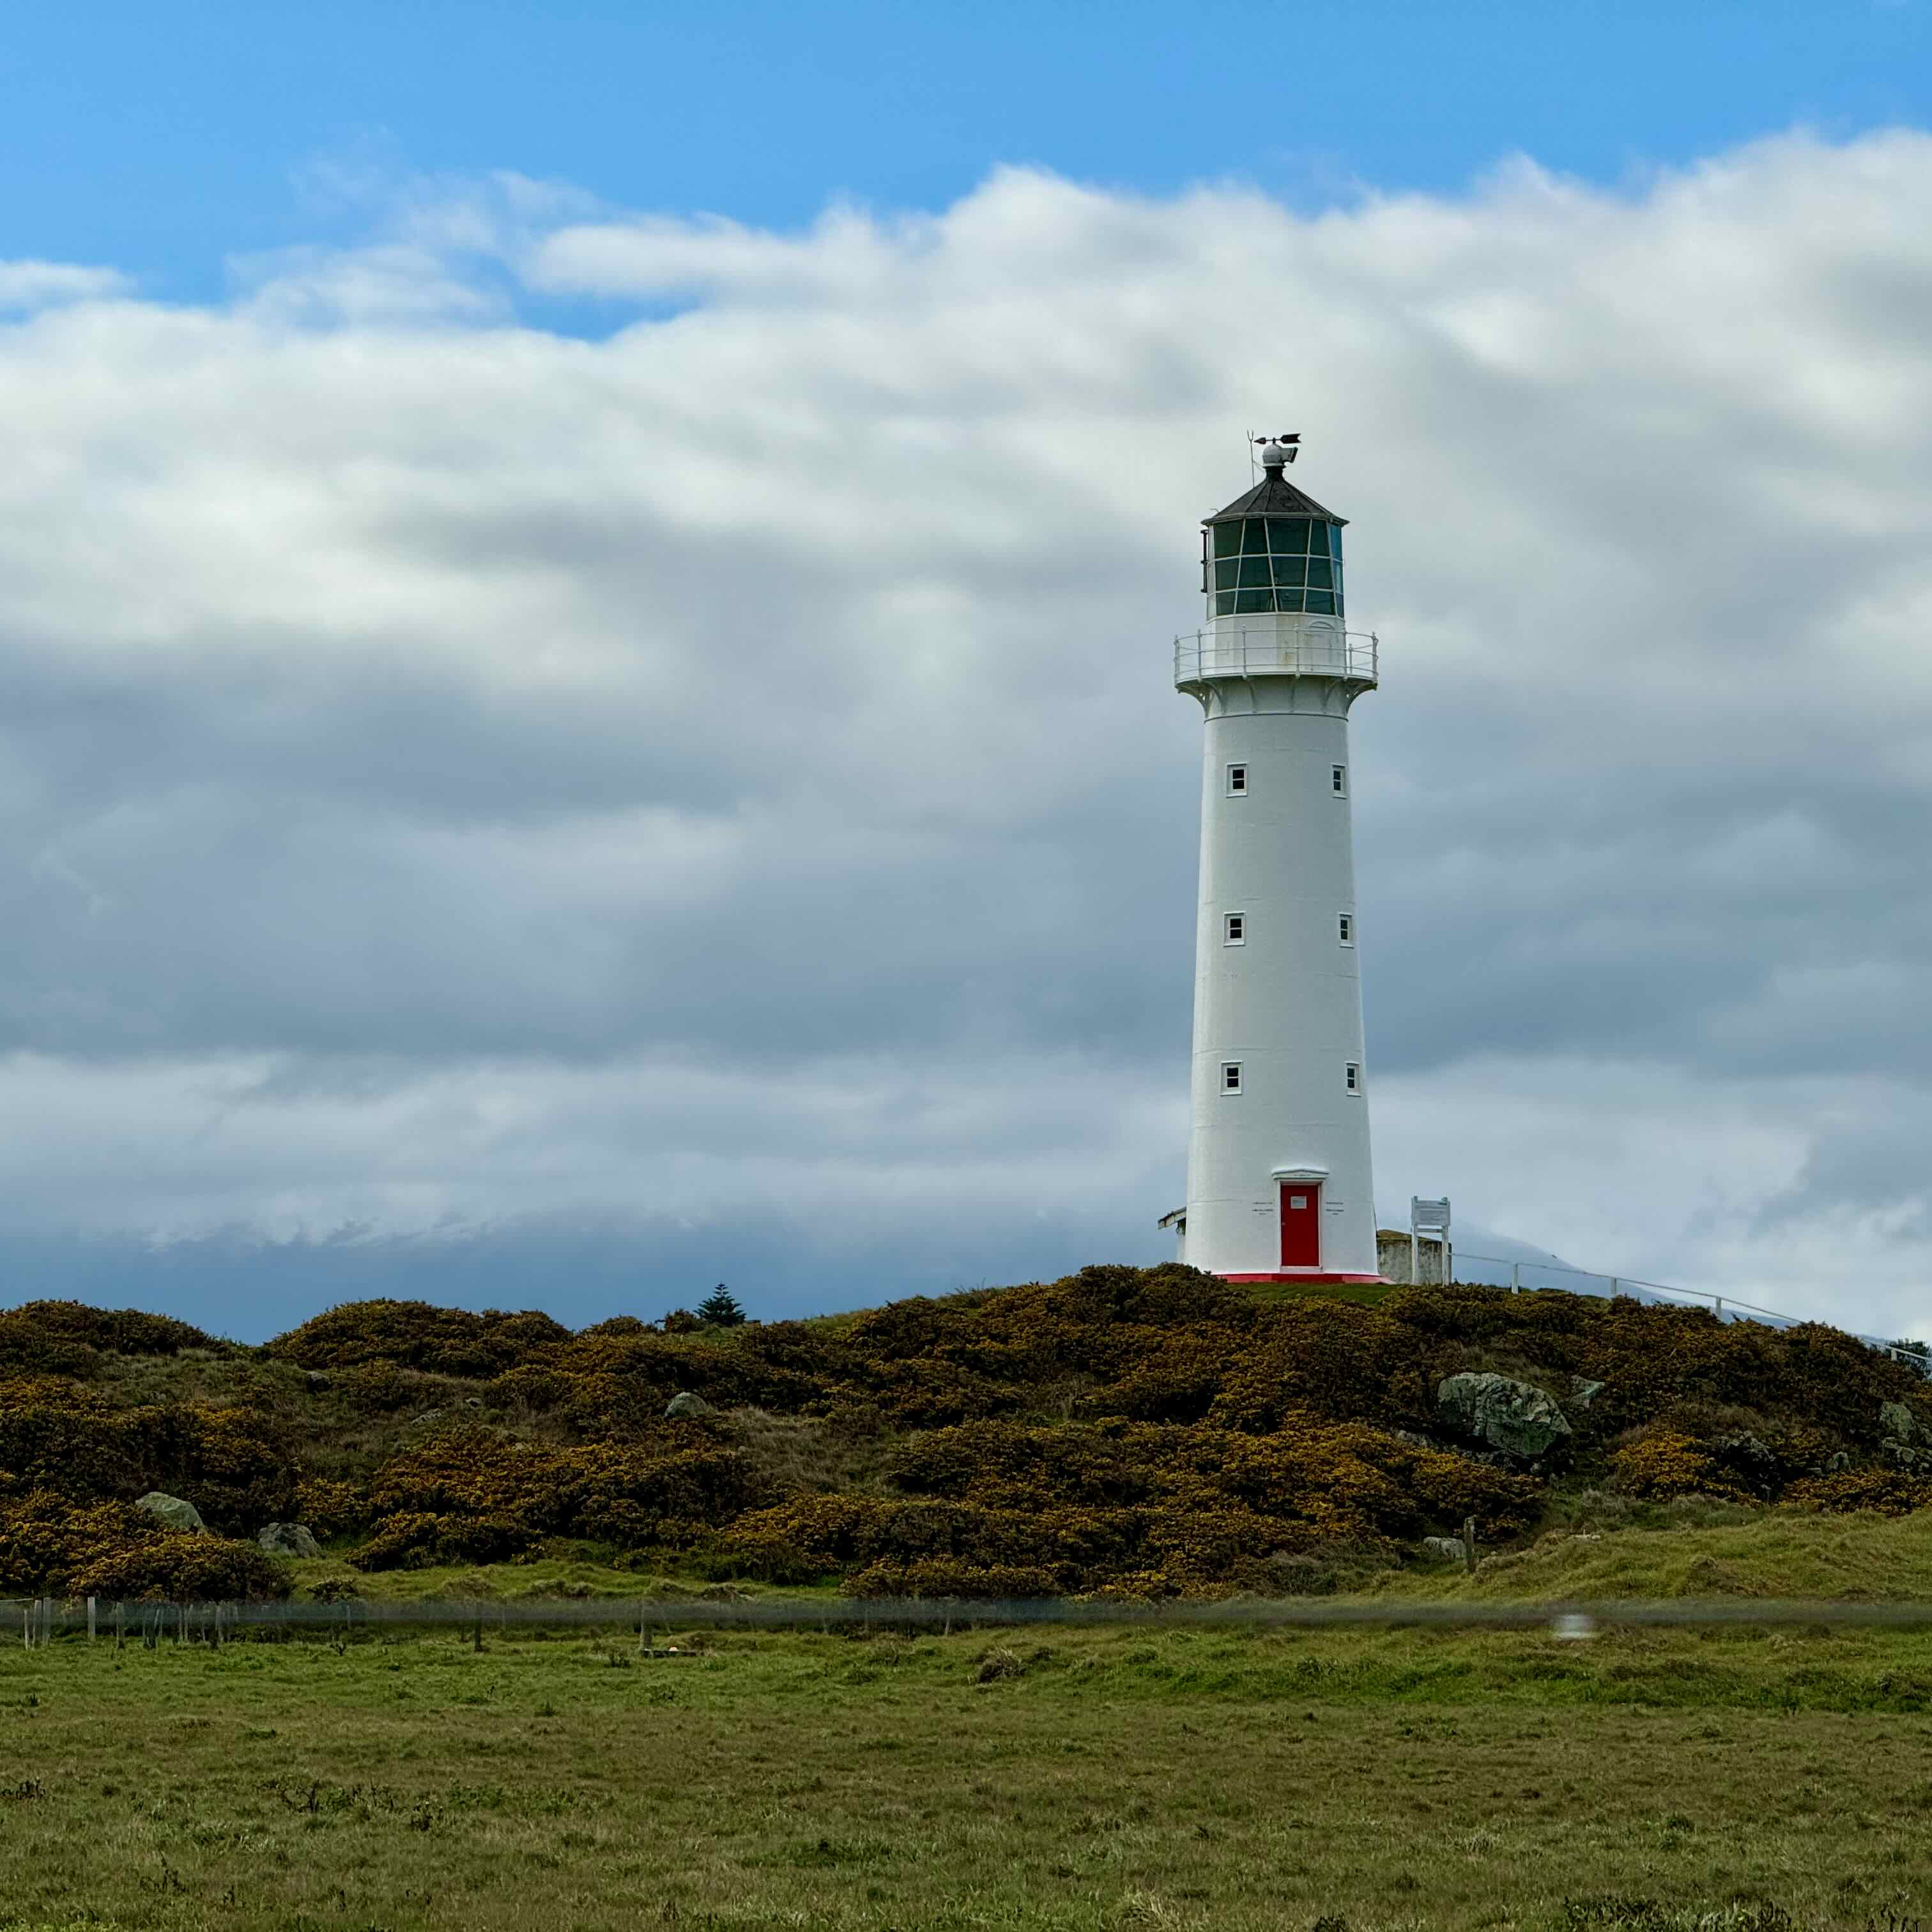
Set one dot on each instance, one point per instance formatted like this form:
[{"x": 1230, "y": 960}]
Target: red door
[{"x": 1300, "y": 1224}]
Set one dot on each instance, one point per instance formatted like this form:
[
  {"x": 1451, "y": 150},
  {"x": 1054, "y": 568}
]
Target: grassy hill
[{"x": 1146, "y": 1432}]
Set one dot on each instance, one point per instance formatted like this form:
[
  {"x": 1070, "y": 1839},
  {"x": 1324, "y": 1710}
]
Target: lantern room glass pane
[
  {"x": 1224, "y": 603},
  {"x": 1287, "y": 600},
  {"x": 1224, "y": 570},
  {"x": 1335, "y": 541},
  {"x": 1322, "y": 601},
  {"x": 1227, "y": 539},
  {"x": 1253, "y": 600},
  {"x": 1254, "y": 536},
  {"x": 1290, "y": 570},
  {"x": 1288, "y": 536},
  {"x": 1321, "y": 574},
  {"x": 1254, "y": 573}
]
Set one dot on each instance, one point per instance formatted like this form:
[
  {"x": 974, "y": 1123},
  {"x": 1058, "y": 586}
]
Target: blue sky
[
  {"x": 165, "y": 139},
  {"x": 586, "y": 606}
]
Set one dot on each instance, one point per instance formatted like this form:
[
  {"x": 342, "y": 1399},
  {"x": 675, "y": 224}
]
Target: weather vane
[{"x": 1283, "y": 449}]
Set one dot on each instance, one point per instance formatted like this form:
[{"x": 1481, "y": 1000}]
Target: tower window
[
  {"x": 1278, "y": 563},
  {"x": 1345, "y": 927},
  {"x": 1338, "y": 780},
  {"x": 1352, "y": 1076},
  {"x": 1234, "y": 928},
  {"x": 1237, "y": 780},
  {"x": 1231, "y": 1076}
]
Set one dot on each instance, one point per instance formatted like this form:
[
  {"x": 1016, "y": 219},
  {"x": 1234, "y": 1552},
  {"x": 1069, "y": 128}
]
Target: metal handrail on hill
[{"x": 1725, "y": 1306}]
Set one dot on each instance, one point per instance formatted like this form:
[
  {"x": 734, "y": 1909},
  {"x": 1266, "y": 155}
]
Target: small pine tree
[{"x": 720, "y": 1309}]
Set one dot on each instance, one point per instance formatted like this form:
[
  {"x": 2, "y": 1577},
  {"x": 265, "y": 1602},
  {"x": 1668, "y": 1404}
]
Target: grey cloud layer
[{"x": 557, "y": 776}]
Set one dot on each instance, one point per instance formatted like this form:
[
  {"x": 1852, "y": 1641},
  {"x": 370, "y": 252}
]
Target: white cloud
[
  {"x": 726, "y": 770},
  {"x": 33, "y": 285}
]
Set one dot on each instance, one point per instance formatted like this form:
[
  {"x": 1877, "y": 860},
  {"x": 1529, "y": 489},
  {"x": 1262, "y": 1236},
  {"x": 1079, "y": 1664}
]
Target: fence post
[
  {"x": 90, "y": 1619},
  {"x": 1469, "y": 1544},
  {"x": 1515, "y": 1277},
  {"x": 1720, "y": 1300},
  {"x": 1615, "y": 1287}
]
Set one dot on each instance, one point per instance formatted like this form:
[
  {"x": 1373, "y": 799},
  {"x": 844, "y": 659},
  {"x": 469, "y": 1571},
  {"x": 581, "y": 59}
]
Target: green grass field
[{"x": 1063, "y": 1779}]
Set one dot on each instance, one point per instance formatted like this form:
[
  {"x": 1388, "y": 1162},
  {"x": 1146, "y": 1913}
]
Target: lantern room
[
  {"x": 1275, "y": 549},
  {"x": 1274, "y": 563}
]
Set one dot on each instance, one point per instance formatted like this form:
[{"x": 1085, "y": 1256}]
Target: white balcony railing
[{"x": 1276, "y": 652}]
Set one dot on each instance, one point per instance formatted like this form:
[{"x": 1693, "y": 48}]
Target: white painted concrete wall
[{"x": 1286, "y": 1004}]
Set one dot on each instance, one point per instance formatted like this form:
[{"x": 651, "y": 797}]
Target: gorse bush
[
  {"x": 417, "y": 1335},
  {"x": 121, "y": 1331},
  {"x": 1137, "y": 1432},
  {"x": 472, "y": 1497},
  {"x": 112, "y": 1550}
]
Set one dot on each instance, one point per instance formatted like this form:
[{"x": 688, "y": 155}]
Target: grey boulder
[
  {"x": 288, "y": 1539},
  {"x": 1512, "y": 1416},
  {"x": 1898, "y": 1422},
  {"x": 170, "y": 1512},
  {"x": 685, "y": 1403}
]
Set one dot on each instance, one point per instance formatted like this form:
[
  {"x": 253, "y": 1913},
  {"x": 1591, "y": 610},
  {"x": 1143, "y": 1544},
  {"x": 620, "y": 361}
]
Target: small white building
[{"x": 1280, "y": 1186}]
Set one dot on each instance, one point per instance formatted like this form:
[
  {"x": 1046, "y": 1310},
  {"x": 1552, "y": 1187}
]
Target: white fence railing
[
  {"x": 1268, "y": 652},
  {"x": 1726, "y": 1307}
]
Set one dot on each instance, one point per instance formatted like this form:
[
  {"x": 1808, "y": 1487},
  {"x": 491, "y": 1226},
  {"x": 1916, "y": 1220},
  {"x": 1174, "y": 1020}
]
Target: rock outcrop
[
  {"x": 1908, "y": 1442},
  {"x": 1514, "y": 1417},
  {"x": 288, "y": 1539},
  {"x": 686, "y": 1403},
  {"x": 170, "y": 1512}
]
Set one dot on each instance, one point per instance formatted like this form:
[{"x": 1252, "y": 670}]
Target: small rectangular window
[
  {"x": 1352, "y": 1074},
  {"x": 1345, "y": 927},
  {"x": 1234, "y": 929},
  {"x": 1338, "y": 779},
  {"x": 1231, "y": 1076},
  {"x": 1238, "y": 780}
]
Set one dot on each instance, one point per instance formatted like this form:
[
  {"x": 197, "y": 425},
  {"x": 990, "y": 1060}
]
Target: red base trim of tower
[{"x": 1314, "y": 1278}]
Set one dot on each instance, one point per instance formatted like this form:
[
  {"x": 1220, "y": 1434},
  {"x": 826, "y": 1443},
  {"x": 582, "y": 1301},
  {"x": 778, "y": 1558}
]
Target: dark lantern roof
[{"x": 1273, "y": 496}]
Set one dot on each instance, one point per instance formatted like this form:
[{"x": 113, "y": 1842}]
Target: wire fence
[
  {"x": 1727, "y": 1308},
  {"x": 656, "y": 1623}
]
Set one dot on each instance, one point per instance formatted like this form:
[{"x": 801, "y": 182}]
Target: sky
[{"x": 585, "y": 597}]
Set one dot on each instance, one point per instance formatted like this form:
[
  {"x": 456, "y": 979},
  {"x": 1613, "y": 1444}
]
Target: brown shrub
[
  {"x": 1665, "y": 1462},
  {"x": 418, "y": 1335},
  {"x": 26, "y": 1349},
  {"x": 114, "y": 1550},
  {"x": 946, "y": 1576},
  {"x": 180, "y": 1567},
  {"x": 605, "y": 1492},
  {"x": 121, "y": 1331},
  {"x": 419, "y": 1539},
  {"x": 1891, "y": 1492},
  {"x": 330, "y": 1508}
]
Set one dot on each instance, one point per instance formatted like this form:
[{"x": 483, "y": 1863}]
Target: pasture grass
[
  {"x": 1861, "y": 1557},
  {"x": 1027, "y": 1779}
]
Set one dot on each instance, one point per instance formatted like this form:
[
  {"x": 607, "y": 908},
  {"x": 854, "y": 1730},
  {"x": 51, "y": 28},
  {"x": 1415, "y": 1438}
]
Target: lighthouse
[{"x": 1279, "y": 1183}]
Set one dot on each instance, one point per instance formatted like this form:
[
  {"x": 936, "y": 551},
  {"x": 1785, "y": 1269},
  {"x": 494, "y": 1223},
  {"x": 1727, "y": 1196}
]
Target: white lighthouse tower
[{"x": 1279, "y": 1183}]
